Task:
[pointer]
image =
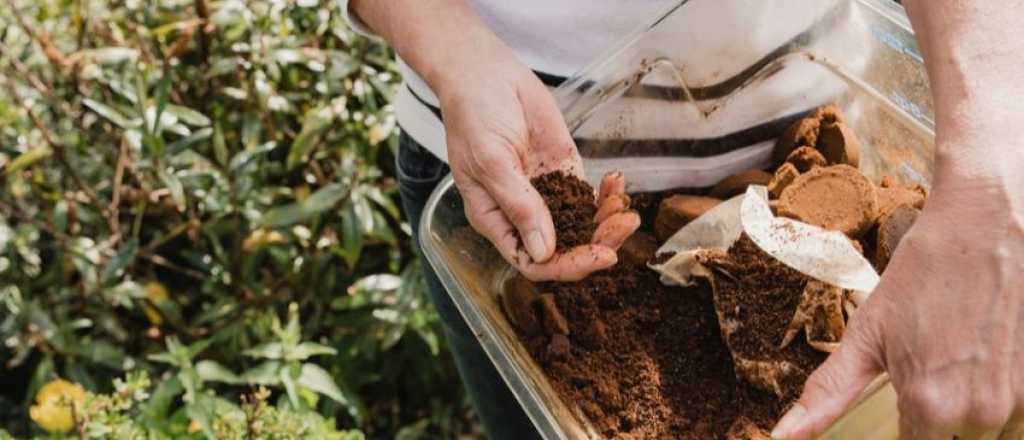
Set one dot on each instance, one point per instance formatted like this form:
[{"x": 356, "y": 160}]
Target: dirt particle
[
  {"x": 679, "y": 210},
  {"x": 806, "y": 158},
  {"x": 558, "y": 347},
  {"x": 839, "y": 144},
  {"x": 891, "y": 228},
  {"x": 838, "y": 198},
  {"x": 737, "y": 184},
  {"x": 551, "y": 318},
  {"x": 518, "y": 299},
  {"x": 638, "y": 249},
  {"x": 783, "y": 177}
]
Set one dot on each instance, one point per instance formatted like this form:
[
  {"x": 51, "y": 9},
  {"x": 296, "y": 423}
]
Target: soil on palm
[{"x": 572, "y": 205}]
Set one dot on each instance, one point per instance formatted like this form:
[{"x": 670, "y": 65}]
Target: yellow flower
[
  {"x": 156, "y": 293},
  {"x": 52, "y": 410},
  {"x": 301, "y": 192},
  {"x": 194, "y": 427},
  {"x": 377, "y": 134},
  {"x": 260, "y": 238}
]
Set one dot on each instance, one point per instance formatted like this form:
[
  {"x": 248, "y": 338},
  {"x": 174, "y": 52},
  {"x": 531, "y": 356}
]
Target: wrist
[
  {"x": 981, "y": 176},
  {"x": 444, "y": 41}
]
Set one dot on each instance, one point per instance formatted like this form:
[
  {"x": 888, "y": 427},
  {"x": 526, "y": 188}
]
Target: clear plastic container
[{"x": 709, "y": 76}]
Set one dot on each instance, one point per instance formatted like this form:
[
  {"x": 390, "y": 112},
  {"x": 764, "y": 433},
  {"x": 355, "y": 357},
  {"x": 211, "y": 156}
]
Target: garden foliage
[{"x": 197, "y": 207}]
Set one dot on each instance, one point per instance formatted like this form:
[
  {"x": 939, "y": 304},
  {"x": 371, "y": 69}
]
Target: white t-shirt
[
  {"x": 652, "y": 133},
  {"x": 555, "y": 38}
]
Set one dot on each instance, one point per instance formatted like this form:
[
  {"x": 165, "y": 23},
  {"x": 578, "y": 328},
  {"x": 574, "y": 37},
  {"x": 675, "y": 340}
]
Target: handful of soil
[{"x": 572, "y": 205}]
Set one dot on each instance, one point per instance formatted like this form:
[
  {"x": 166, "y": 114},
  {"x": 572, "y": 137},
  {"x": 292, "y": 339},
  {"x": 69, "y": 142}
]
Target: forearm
[
  {"x": 442, "y": 40},
  {"x": 974, "y": 56}
]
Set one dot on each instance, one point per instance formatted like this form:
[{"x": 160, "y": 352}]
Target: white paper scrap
[{"x": 828, "y": 256}]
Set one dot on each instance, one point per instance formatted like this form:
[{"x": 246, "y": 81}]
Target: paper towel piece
[
  {"x": 827, "y": 256},
  {"x": 718, "y": 228}
]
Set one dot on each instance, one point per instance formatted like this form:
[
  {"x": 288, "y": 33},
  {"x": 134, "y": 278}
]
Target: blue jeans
[{"x": 419, "y": 172}]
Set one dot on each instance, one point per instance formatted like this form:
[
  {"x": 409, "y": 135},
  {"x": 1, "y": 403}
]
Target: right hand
[{"x": 503, "y": 128}]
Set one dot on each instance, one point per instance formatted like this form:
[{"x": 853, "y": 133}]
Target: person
[{"x": 947, "y": 321}]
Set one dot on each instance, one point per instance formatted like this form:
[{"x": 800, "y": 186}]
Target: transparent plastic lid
[{"x": 699, "y": 94}]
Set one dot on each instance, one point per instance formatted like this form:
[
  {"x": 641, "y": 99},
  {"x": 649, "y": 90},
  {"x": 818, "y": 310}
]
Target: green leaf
[
  {"x": 220, "y": 148},
  {"x": 242, "y": 158},
  {"x": 313, "y": 125},
  {"x": 101, "y": 352},
  {"x": 269, "y": 350},
  {"x": 28, "y": 158},
  {"x": 164, "y": 358},
  {"x": 374, "y": 193},
  {"x": 174, "y": 186},
  {"x": 266, "y": 373},
  {"x": 214, "y": 372},
  {"x": 203, "y": 411},
  {"x": 351, "y": 237},
  {"x": 124, "y": 293},
  {"x": 116, "y": 265},
  {"x": 306, "y": 350},
  {"x": 162, "y": 92},
  {"x": 111, "y": 114},
  {"x": 320, "y": 201},
  {"x": 188, "y": 115},
  {"x": 363, "y": 212},
  {"x": 111, "y": 55},
  {"x": 317, "y": 379},
  {"x": 288, "y": 375},
  {"x": 342, "y": 64},
  {"x": 187, "y": 141},
  {"x": 159, "y": 403},
  {"x": 198, "y": 347}
]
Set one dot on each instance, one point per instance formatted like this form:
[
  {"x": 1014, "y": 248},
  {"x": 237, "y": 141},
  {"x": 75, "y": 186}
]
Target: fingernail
[
  {"x": 536, "y": 246},
  {"x": 790, "y": 421}
]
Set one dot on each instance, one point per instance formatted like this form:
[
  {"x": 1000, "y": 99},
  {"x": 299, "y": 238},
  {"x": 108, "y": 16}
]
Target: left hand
[{"x": 946, "y": 322}]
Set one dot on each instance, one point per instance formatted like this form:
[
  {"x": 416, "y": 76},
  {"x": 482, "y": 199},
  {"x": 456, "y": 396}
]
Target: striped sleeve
[{"x": 354, "y": 21}]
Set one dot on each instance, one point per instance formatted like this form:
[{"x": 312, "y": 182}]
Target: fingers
[
  {"x": 573, "y": 265},
  {"x": 611, "y": 205},
  {"x": 487, "y": 218},
  {"x": 511, "y": 190},
  {"x": 834, "y": 385},
  {"x": 616, "y": 229},
  {"x": 612, "y": 184}
]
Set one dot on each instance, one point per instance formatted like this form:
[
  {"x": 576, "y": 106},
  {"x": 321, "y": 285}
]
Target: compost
[{"x": 636, "y": 359}]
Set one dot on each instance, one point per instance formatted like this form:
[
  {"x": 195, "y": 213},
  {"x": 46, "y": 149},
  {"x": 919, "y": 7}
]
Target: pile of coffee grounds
[
  {"x": 647, "y": 361},
  {"x": 642, "y": 360},
  {"x": 758, "y": 296},
  {"x": 572, "y": 205}
]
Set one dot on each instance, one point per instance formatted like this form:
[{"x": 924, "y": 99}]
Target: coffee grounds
[
  {"x": 647, "y": 361},
  {"x": 759, "y": 295},
  {"x": 572, "y": 205}
]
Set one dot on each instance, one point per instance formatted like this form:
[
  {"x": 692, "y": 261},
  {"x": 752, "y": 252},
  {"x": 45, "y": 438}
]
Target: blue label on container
[
  {"x": 909, "y": 106},
  {"x": 895, "y": 42},
  {"x": 912, "y": 174}
]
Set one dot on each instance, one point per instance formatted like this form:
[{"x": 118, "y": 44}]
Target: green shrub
[{"x": 177, "y": 174}]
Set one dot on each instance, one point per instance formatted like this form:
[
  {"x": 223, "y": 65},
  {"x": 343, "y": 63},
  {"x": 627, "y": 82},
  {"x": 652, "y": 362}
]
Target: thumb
[{"x": 836, "y": 384}]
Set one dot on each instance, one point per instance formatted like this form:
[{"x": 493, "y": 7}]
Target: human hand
[
  {"x": 503, "y": 128},
  {"x": 946, "y": 322}
]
